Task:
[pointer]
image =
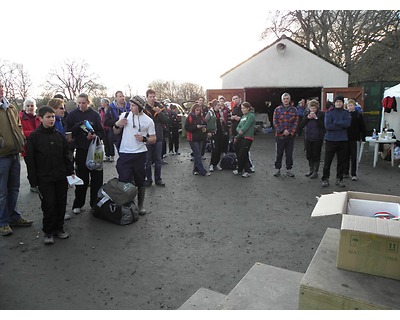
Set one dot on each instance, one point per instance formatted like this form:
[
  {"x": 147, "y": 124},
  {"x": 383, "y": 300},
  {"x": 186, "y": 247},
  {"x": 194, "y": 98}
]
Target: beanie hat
[
  {"x": 139, "y": 101},
  {"x": 341, "y": 98}
]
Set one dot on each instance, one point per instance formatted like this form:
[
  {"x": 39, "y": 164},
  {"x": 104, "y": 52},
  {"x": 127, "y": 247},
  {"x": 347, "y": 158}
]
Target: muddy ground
[{"x": 199, "y": 232}]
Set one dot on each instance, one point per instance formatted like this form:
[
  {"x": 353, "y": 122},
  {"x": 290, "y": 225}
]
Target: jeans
[
  {"x": 10, "y": 170},
  {"x": 197, "y": 146},
  {"x": 154, "y": 155}
]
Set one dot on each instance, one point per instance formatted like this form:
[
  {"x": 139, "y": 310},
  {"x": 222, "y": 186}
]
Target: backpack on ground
[
  {"x": 229, "y": 162},
  {"x": 115, "y": 203}
]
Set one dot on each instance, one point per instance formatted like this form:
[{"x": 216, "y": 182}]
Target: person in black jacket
[
  {"x": 48, "y": 166},
  {"x": 83, "y": 137},
  {"x": 356, "y": 133},
  {"x": 313, "y": 122}
]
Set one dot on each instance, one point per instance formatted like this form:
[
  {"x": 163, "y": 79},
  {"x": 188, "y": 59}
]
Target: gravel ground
[{"x": 199, "y": 232}]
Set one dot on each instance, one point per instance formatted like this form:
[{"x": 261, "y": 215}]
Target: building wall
[{"x": 295, "y": 67}]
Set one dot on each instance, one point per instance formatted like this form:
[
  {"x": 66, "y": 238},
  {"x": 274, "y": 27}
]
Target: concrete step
[
  {"x": 265, "y": 287},
  {"x": 203, "y": 299}
]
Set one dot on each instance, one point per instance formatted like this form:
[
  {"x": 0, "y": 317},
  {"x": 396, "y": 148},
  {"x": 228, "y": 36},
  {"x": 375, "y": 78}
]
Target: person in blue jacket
[{"x": 337, "y": 120}]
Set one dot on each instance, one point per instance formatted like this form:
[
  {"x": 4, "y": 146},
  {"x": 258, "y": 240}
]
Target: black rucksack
[{"x": 229, "y": 162}]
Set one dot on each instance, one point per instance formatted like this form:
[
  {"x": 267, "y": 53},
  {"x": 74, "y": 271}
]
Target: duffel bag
[
  {"x": 121, "y": 215},
  {"x": 120, "y": 192}
]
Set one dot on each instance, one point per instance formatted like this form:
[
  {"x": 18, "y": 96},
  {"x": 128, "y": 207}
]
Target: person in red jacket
[{"x": 30, "y": 121}]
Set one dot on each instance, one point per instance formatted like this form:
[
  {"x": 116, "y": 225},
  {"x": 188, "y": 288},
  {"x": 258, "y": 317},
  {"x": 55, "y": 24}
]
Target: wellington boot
[{"x": 141, "y": 196}]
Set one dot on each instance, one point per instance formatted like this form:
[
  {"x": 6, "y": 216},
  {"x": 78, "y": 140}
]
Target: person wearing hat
[
  {"x": 136, "y": 130},
  {"x": 336, "y": 121}
]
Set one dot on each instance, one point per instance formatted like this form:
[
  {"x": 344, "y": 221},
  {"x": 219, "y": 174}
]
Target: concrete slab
[
  {"x": 265, "y": 287},
  {"x": 203, "y": 299}
]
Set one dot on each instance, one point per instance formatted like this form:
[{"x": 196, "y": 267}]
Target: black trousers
[
  {"x": 242, "y": 148},
  {"x": 313, "y": 150},
  {"x": 109, "y": 143},
  {"x": 173, "y": 139},
  {"x": 332, "y": 148},
  {"x": 53, "y": 196},
  {"x": 284, "y": 146},
  {"x": 351, "y": 158},
  {"x": 216, "y": 144},
  {"x": 94, "y": 176}
]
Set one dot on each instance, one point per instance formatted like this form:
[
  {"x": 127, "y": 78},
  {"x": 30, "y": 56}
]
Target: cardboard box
[
  {"x": 325, "y": 287},
  {"x": 367, "y": 244}
]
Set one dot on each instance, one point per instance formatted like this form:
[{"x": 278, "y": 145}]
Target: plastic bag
[{"x": 95, "y": 156}]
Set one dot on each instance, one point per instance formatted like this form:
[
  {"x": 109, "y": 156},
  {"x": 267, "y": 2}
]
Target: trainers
[
  {"x": 48, "y": 238},
  {"x": 340, "y": 183},
  {"x": 77, "y": 210},
  {"x": 211, "y": 168},
  {"x": 61, "y": 234},
  {"x": 277, "y": 173},
  {"x": 346, "y": 176},
  {"x": 207, "y": 174},
  {"x": 290, "y": 173},
  {"x": 354, "y": 178},
  {"x": 177, "y": 153},
  {"x": 112, "y": 159},
  {"x": 195, "y": 173},
  {"x": 107, "y": 159},
  {"x": 203, "y": 158},
  {"x": 160, "y": 183},
  {"x": 325, "y": 183},
  {"x": 6, "y": 230},
  {"x": 34, "y": 189},
  {"x": 67, "y": 216},
  {"x": 246, "y": 175},
  {"x": 21, "y": 223},
  {"x": 252, "y": 169},
  {"x": 235, "y": 172},
  {"x": 172, "y": 153},
  {"x": 218, "y": 167}
]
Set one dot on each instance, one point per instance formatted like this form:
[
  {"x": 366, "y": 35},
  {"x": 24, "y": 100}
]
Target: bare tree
[
  {"x": 341, "y": 36},
  {"x": 176, "y": 92},
  {"x": 73, "y": 78},
  {"x": 16, "y": 81}
]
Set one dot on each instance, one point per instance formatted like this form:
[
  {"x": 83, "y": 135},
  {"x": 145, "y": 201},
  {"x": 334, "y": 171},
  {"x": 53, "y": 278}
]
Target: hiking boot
[
  {"x": 246, "y": 175},
  {"x": 211, "y": 168},
  {"x": 61, "y": 234},
  {"x": 290, "y": 173},
  {"x": 77, "y": 210},
  {"x": 6, "y": 230},
  {"x": 21, "y": 223},
  {"x": 325, "y": 183},
  {"x": 48, "y": 238},
  {"x": 354, "y": 178},
  {"x": 277, "y": 173},
  {"x": 340, "y": 183}
]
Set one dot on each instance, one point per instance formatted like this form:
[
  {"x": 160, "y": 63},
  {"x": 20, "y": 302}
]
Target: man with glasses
[
  {"x": 11, "y": 144},
  {"x": 137, "y": 130}
]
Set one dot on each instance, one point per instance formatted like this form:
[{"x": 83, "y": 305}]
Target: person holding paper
[{"x": 48, "y": 166}]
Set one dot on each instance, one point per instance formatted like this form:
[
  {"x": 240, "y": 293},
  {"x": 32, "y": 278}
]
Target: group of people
[
  {"x": 341, "y": 127},
  {"x": 226, "y": 128},
  {"x": 55, "y": 144}
]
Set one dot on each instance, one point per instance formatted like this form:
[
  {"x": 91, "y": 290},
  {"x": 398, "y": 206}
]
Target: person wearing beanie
[
  {"x": 336, "y": 121},
  {"x": 136, "y": 131}
]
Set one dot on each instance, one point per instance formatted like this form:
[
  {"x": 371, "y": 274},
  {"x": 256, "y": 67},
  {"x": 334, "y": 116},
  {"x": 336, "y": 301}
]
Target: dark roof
[{"x": 295, "y": 42}]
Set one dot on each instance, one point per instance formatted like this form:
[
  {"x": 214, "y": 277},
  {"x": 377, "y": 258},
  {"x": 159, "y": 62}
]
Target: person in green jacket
[{"x": 243, "y": 139}]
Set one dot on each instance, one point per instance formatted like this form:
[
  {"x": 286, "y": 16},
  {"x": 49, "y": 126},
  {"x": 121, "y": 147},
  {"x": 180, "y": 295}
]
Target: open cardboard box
[{"x": 367, "y": 244}]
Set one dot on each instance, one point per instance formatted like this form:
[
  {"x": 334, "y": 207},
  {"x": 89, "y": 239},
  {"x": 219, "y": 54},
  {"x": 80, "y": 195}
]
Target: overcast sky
[{"x": 136, "y": 42}]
